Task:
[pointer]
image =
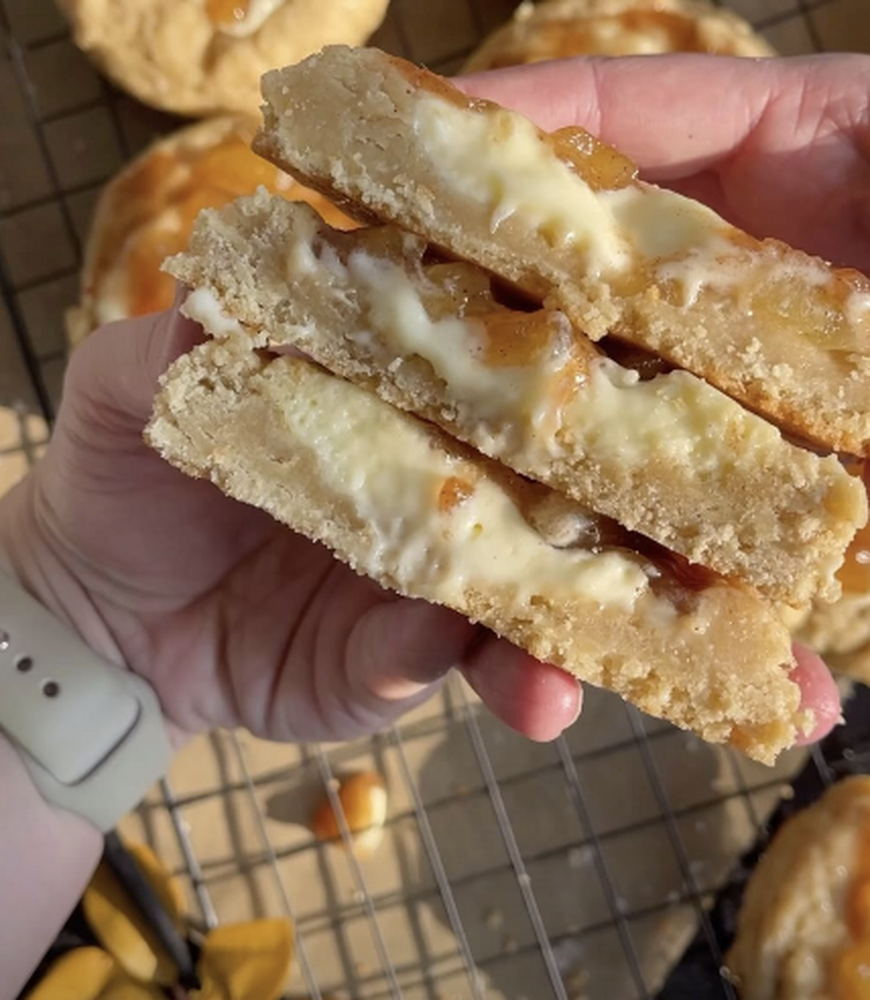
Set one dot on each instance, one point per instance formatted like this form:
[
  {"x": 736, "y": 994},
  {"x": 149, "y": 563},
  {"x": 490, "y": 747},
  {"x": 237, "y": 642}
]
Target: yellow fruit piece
[
  {"x": 850, "y": 974},
  {"x": 122, "y": 987},
  {"x": 248, "y": 961},
  {"x": 120, "y": 929},
  {"x": 78, "y": 975}
]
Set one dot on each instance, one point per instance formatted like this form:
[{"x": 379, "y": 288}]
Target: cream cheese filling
[
  {"x": 202, "y": 306},
  {"x": 389, "y": 467},
  {"x": 610, "y": 414},
  {"x": 672, "y": 419},
  {"x": 394, "y": 309},
  {"x": 499, "y": 158}
]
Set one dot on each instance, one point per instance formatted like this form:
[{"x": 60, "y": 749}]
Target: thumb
[
  {"x": 114, "y": 376},
  {"x": 399, "y": 648}
]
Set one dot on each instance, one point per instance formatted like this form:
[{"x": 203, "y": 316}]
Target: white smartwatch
[{"x": 91, "y": 735}]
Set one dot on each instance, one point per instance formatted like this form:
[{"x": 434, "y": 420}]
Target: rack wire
[{"x": 580, "y": 870}]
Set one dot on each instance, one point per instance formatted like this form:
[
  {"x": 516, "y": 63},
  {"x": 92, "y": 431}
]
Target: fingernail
[{"x": 579, "y": 710}]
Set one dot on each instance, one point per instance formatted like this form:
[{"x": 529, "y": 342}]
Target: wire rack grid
[{"x": 579, "y": 870}]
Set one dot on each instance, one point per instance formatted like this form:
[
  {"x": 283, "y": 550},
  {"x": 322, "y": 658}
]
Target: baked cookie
[
  {"x": 557, "y": 29},
  {"x": 804, "y": 930},
  {"x": 200, "y": 57},
  {"x": 497, "y": 246},
  {"x": 666, "y": 455},
  {"x": 565, "y": 219},
  {"x": 840, "y": 632},
  {"x": 147, "y": 211},
  {"x": 403, "y": 503}
]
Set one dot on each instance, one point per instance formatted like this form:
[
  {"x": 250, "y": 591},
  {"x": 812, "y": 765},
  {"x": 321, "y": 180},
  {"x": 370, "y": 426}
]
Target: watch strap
[{"x": 90, "y": 734}]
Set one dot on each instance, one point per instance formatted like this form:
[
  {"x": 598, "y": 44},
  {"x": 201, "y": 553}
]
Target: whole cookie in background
[
  {"x": 556, "y": 29},
  {"x": 200, "y": 57},
  {"x": 804, "y": 930},
  {"x": 147, "y": 211},
  {"x": 840, "y": 632}
]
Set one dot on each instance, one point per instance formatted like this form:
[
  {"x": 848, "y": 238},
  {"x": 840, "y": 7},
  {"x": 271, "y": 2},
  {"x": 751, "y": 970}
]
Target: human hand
[
  {"x": 233, "y": 618},
  {"x": 236, "y": 620}
]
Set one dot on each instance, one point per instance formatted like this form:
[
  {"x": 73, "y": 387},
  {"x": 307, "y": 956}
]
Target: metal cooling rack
[
  {"x": 580, "y": 870},
  {"x": 845, "y": 752},
  {"x": 556, "y": 973}
]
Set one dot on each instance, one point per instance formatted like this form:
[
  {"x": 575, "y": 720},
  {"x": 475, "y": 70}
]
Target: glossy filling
[
  {"x": 411, "y": 484},
  {"x": 586, "y": 200},
  {"x": 525, "y": 377},
  {"x": 410, "y": 491}
]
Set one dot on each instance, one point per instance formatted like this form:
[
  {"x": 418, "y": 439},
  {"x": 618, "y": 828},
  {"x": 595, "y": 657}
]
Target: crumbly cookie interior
[
  {"x": 410, "y": 507},
  {"x": 662, "y": 452}
]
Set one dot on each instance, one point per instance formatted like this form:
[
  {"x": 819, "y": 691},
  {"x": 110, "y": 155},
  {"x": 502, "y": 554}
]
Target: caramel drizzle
[
  {"x": 607, "y": 34},
  {"x": 848, "y": 964},
  {"x": 221, "y": 12},
  {"x": 564, "y": 524}
]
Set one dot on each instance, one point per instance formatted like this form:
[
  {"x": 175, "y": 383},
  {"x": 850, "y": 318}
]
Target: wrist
[{"x": 47, "y": 856}]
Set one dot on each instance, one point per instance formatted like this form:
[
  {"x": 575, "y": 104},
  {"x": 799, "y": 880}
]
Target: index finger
[{"x": 674, "y": 115}]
